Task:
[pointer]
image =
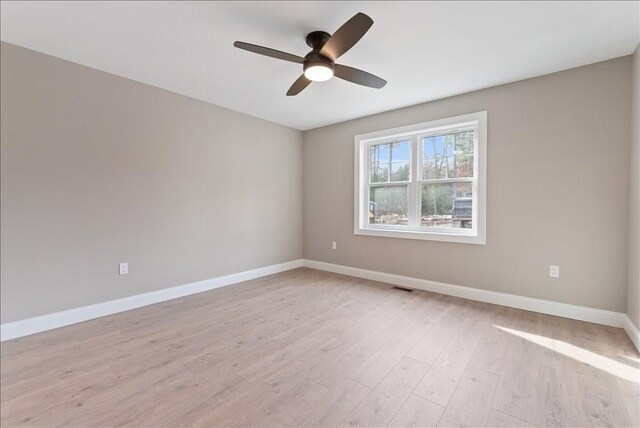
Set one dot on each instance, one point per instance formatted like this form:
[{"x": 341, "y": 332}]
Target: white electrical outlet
[
  {"x": 554, "y": 271},
  {"x": 123, "y": 268},
  {"x": 334, "y": 245}
]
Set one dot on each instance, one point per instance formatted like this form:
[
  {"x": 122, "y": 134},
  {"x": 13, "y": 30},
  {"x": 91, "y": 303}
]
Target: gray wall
[
  {"x": 633, "y": 289},
  {"x": 97, "y": 169},
  {"x": 557, "y": 191}
]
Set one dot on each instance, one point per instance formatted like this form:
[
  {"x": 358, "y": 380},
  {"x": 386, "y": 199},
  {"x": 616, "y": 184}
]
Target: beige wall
[
  {"x": 558, "y": 179},
  {"x": 633, "y": 289},
  {"x": 97, "y": 169}
]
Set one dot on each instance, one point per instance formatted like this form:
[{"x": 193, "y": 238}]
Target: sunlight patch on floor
[{"x": 608, "y": 365}]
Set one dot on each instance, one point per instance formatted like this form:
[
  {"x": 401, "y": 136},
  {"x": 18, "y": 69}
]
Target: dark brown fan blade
[
  {"x": 268, "y": 52},
  {"x": 346, "y": 36},
  {"x": 358, "y": 76},
  {"x": 297, "y": 87}
]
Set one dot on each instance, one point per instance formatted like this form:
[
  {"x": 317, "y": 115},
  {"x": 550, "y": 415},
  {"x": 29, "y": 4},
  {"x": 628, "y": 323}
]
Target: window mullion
[
  {"x": 413, "y": 190},
  {"x": 418, "y": 175}
]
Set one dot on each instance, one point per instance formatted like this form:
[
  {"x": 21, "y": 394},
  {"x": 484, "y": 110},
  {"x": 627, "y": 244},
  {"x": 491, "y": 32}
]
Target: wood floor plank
[
  {"x": 36, "y": 407},
  {"x": 518, "y": 392},
  {"x": 335, "y": 404},
  {"x": 381, "y": 331},
  {"x": 470, "y": 404},
  {"x": 380, "y": 406},
  {"x": 590, "y": 393},
  {"x": 491, "y": 352},
  {"x": 443, "y": 376},
  {"x": 432, "y": 344},
  {"x": 279, "y": 400},
  {"x": 207, "y": 393},
  {"x": 375, "y": 368},
  {"x": 500, "y": 420},
  {"x": 417, "y": 412}
]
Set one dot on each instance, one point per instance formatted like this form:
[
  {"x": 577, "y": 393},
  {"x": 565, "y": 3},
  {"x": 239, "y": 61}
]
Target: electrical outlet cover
[{"x": 123, "y": 268}]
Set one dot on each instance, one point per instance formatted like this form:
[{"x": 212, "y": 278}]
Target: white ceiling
[{"x": 425, "y": 50}]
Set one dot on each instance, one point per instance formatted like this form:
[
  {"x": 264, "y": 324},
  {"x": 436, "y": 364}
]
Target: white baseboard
[
  {"x": 582, "y": 313},
  {"x": 29, "y": 326},
  {"x": 632, "y": 331}
]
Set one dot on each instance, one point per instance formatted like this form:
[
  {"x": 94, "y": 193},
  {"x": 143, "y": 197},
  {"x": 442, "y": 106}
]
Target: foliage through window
[{"x": 424, "y": 181}]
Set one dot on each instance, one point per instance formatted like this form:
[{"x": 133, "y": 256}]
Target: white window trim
[{"x": 477, "y": 235}]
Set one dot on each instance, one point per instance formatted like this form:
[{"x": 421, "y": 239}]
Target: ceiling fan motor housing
[{"x": 316, "y": 41}]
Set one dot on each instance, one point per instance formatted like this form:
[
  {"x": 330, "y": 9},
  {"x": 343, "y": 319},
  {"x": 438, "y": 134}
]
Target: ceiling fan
[{"x": 319, "y": 64}]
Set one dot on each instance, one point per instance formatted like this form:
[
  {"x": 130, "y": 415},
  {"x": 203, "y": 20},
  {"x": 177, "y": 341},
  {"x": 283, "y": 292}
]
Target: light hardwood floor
[{"x": 310, "y": 348}]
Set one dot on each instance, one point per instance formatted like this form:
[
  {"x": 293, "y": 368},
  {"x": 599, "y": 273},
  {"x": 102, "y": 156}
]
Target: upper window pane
[
  {"x": 390, "y": 162},
  {"x": 447, "y": 156}
]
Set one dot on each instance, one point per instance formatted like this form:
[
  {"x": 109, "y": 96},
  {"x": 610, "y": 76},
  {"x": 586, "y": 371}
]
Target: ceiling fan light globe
[{"x": 318, "y": 73}]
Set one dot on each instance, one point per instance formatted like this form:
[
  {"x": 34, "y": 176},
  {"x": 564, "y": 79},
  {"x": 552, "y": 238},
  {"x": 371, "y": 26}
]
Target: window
[{"x": 424, "y": 181}]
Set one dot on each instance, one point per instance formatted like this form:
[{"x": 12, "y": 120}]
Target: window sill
[{"x": 444, "y": 236}]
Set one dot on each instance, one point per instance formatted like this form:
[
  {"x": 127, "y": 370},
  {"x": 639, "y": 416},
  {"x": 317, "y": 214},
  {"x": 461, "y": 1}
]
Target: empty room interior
[{"x": 320, "y": 214}]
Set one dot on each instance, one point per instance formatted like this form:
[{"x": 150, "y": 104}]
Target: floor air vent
[{"x": 406, "y": 290}]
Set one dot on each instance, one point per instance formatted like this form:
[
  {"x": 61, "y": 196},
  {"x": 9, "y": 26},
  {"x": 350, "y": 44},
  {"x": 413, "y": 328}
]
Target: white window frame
[{"x": 477, "y": 234}]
